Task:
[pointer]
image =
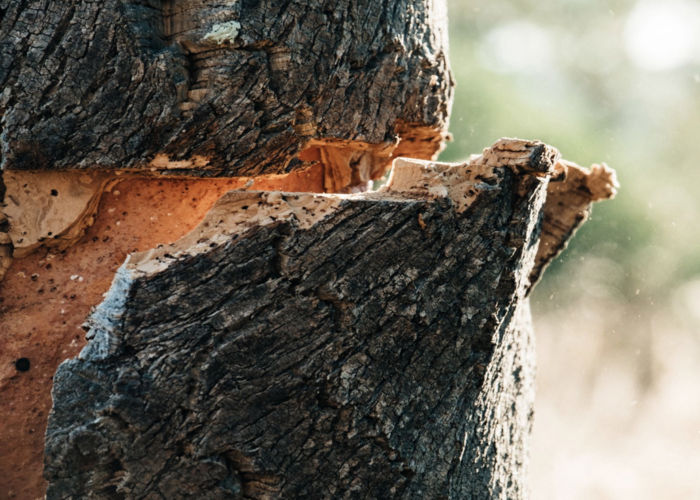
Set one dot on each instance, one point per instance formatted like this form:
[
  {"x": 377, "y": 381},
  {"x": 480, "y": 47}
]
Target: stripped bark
[
  {"x": 293, "y": 345},
  {"x": 315, "y": 346}
]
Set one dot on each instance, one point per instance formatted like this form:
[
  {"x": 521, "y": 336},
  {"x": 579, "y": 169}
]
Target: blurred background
[{"x": 617, "y": 317}]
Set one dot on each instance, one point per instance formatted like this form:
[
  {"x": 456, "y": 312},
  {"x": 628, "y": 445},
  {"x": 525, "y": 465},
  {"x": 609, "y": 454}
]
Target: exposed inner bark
[
  {"x": 53, "y": 209},
  {"x": 413, "y": 184},
  {"x": 47, "y": 294}
]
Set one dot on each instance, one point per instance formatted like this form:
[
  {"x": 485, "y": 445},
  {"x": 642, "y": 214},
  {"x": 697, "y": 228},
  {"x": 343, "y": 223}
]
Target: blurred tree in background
[{"x": 618, "y": 315}]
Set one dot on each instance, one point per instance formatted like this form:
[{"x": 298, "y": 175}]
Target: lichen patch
[{"x": 224, "y": 32}]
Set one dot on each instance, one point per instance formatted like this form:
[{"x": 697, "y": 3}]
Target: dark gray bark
[
  {"x": 294, "y": 346},
  {"x": 231, "y": 88},
  {"x": 371, "y": 347}
]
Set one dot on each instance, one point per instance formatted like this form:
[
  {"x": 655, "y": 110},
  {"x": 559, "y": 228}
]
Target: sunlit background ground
[{"x": 618, "y": 316}]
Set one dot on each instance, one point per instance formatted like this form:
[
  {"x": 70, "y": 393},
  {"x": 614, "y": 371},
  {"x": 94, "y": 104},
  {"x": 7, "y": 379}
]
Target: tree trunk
[
  {"x": 259, "y": 340},
  {"x": 230, "y": 88}
]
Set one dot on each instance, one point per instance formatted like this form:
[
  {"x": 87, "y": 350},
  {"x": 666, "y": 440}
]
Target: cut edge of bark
[{"x": 238, "y": 211}]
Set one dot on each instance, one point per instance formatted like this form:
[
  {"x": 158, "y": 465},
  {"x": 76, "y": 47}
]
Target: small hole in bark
[
  {"x": 129, "y": 350},
  {"x": 408, "y": 473},
  {"x": 54, "y": 192},
  {"x": 22, "y": 365},
  {"x": 244, "y": 207}
]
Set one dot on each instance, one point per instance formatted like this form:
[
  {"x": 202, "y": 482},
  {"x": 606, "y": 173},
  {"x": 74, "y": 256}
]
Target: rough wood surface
[
  {"x": 315, "y": 346},
  {"x": 226, "y": 88}
]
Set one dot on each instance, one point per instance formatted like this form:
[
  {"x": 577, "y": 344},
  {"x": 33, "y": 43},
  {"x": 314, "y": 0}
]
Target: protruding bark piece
[
  {"x": 531, "y": 157},
  {"x": 307, "y": 346},
  {"x": 199, "y": 88},
  {"x": 569, "y": 201}
]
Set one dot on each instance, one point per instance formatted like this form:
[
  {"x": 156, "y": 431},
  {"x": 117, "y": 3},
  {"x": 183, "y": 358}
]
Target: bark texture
[
  {"x": 48, "y": 293},
  {"x": 225, "y": 88},
  {"x": 318, "y": 346}
]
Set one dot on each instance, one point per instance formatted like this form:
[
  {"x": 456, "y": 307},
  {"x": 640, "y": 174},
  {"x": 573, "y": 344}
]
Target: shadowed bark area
[
  {"x": 317, "y": 346},
  {"x": 204, "y": 88}
]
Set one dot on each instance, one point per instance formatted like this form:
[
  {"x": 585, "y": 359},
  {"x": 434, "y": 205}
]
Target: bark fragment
[
  {"x": 320, "y": 345},
  {"x": 569, "y": 202},
  {"x": 50, "y": 209}
]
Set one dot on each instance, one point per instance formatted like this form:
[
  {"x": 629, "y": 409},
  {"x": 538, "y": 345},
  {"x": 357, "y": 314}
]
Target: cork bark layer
[
  {"x": 231, "y": 88},
  {"x": 295, "y": 345},
  {"x": 166, "y": 166}
]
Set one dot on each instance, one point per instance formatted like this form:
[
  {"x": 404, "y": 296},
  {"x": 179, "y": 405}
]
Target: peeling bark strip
[
  {"x": 315, "y": 346},
  {"x": 231, "y": 88},
  {"x": 569, "y": 201}
]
